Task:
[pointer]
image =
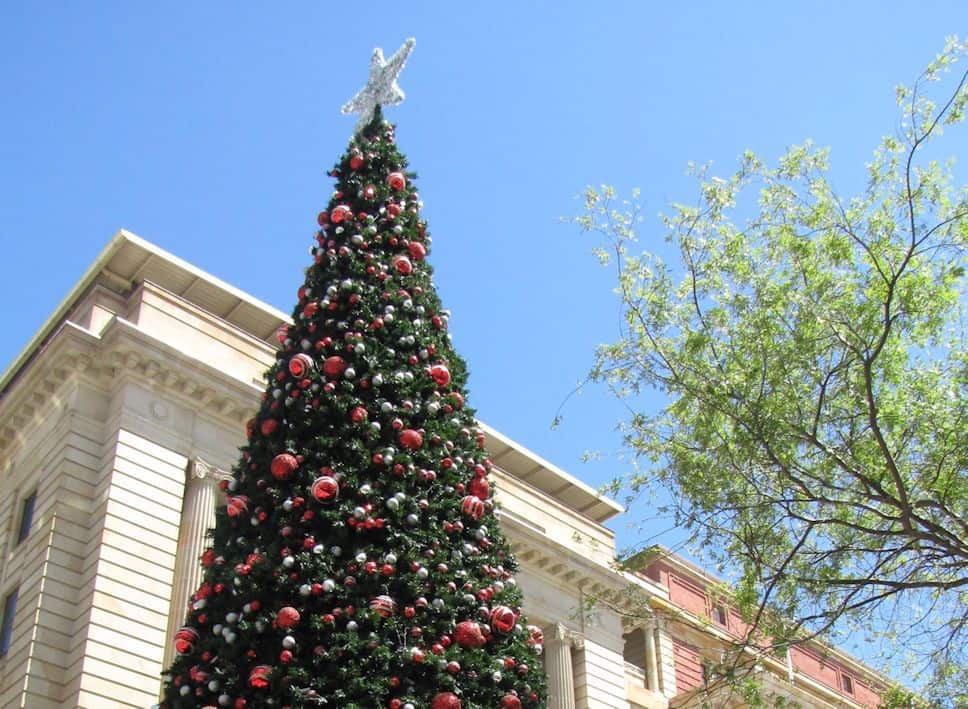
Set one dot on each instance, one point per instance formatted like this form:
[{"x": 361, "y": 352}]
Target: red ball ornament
[
  {"x": 283, "y": 466},
  {"x": 341, "y": 213},
  {"x": 185, "y": 640},
  {"x": 440, "y": 374},
  {"x": 445, "y": 700},
  {"x": 503, "y": 619},
  {"x": 301, "y": 365},
  {"x": 411, "y": 439},
  {"x": 334, "y": 366},
  {"x": 535, "y": 635},
  {"x": 259, "y": 676},
  {"x": 268, "y": 427},
  {"x": 402, "y": 264},
  {"x": 469, "y": 634},
  {"x": 418, "y": 252},
  {"x": 356, "y": 162},
  {"x": 510, "y": 701},
  {"x": 397, "y": 181},
  {"x": 325, "y": 488},
  {"x": 358, "y": 414},
  {"x": 472, "y": 507},
  {"x": 237, "y": 505},
  {"x": 480, "y": 488},
  {"x": 287, "y": 617},
  {"x": 384, "y": 605}
]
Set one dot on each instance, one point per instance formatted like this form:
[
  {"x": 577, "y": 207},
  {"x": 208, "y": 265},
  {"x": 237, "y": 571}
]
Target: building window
[
  {"x": 847, "y": 684},
  {"x": 6, "y": 627},
  {"x": 26, "y": 516},
  {"x": 719, "y": 614}
]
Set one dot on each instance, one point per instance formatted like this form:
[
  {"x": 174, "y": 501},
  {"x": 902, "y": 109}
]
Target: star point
[{"x": 381, "y": 87}]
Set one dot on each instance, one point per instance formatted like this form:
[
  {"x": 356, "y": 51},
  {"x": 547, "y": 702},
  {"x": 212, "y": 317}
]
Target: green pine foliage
[{"x": 357, "y": 561}]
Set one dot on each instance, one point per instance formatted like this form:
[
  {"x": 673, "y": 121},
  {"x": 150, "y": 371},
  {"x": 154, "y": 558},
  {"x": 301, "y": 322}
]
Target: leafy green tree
[
  {"x": 810, "y": 349},
  {"x": 357, "y": 562}
]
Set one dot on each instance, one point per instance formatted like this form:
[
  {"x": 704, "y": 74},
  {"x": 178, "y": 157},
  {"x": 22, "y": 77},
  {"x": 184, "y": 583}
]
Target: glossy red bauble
[
  {"x": 509, "y": 701},
  {"x": 410, "y": 439},
  {"x": 301, "y": 365},
  {"x": 283, "y": 466},
  {"x": 403, "y": 264},
  {"x": 445, "y": 700},
  {"x": 384, "y": 605},
  {"x": 503, "y": 619},
  {"x": 325, "y": 488},
  {"x": 341, "y": 213},
  {"x": 185, "y": 640},
  {"x": 334, "y": 366},
  {"x": 259, "y": 676},
  {"x": 469, "y": 634},
  {"x": 472, "y": 507},
  {"x": 480, "y": 488},
  {"x": 287, "y": 617},
  {"x": 440, "y": 374},
  {"x": 397, "y": 181},
  {"x": 418, "y": 252},
  {"x": 237, "y": 505}
]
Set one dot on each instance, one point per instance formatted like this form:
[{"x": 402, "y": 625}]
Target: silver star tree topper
[{"x": 381, "y": 87}]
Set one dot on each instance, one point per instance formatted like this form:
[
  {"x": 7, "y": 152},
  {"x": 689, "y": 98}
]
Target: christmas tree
[{"x": 357, "y": 561}]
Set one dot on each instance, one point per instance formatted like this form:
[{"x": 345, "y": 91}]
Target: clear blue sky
[{"x": 208, "y": 130}]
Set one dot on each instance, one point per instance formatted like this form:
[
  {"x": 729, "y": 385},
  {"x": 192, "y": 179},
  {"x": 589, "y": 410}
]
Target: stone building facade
[{"x": 126, "y": 408}]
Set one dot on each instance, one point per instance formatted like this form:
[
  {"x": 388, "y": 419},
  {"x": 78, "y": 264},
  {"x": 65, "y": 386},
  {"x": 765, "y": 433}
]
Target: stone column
[
  {"x": 651, "y": 666},
  {"x": 558, "y": 663},
  {"x": 197, "y": 517}
]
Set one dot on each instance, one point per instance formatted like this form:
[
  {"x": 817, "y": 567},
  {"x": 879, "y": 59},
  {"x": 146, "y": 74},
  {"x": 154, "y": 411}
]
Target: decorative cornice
[{"x": 123, "y": 350}]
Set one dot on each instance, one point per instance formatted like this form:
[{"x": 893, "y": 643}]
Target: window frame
[
  {"x": 28, "y": 506},
  {"x": 846, "y": 683},
  {"x": 7, "y": 616}
]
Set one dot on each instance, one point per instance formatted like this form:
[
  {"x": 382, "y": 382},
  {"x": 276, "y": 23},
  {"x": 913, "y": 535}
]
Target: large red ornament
[
  {"x": 283, "y": 466},
  {"x": 300, "y": 365},
  {"x": 503, "y": 619},
  {"x": 340, "y": 213},
  {"x": 418, "y": 252},
  {"x": 397, "y": 181},
  {"x": 535, "y": 635},
  {"x": 185, "y": 640},
  {"x": 402, "y": 264},
  {"x": 480, "y": 488},
  {"x": 440, "y": 374},
  {"x": 334, "y": 366},
  {"x": 356, "y": 162},
  {"x": 445, "y": 700},
  {"x": 287, "y": 617},
  {"x": 325, "y": 488},
  {"x": 237, "y": 505},
  {"x": 411, "y": 439},
  {"x": 472, "y": 507},
  {"x": 259, "y": 676},
  {"x": 510, "y": 701},
  {"x": 469, "y": 634},
  {"x": 384, "y": 605},
  {"x": 358, "y": 414}
]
